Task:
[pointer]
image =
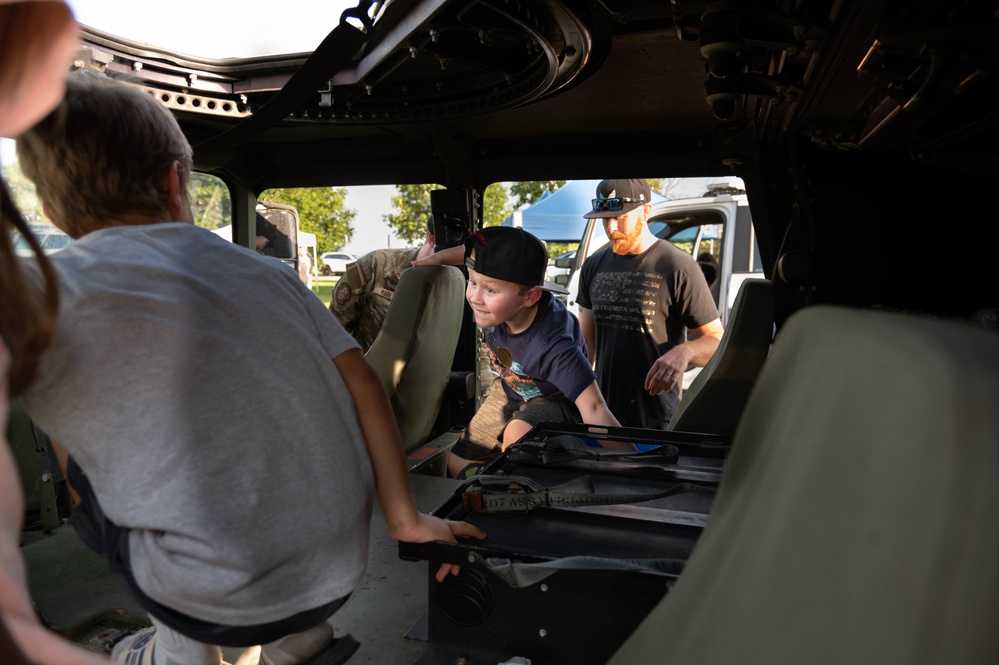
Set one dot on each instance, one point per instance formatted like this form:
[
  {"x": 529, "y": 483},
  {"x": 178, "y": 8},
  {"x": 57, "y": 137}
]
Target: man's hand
[
  {"x": 668, "y": 369},
  {"x": 429, "y": 528}
]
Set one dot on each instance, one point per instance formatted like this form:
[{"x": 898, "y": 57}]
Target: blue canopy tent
[{"x": 558, "y": 217}]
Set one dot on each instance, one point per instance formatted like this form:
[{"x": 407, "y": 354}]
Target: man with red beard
[{"x": 636, "y": 300}]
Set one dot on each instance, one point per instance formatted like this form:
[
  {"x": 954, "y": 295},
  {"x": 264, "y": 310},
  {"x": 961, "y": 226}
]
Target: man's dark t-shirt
[{"x": 642, "y": 306}]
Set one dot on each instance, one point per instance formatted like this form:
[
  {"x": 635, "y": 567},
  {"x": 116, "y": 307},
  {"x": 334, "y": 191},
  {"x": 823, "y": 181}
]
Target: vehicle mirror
[
  {"x": 562, "y": 280},
  {"x": 564, "y": 263},
  {"x": 279, "y": 225}
]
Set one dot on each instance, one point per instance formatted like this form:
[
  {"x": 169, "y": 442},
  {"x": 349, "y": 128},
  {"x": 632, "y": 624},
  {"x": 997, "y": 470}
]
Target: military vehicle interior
[
  {"x": 834, "y": 114},
  {"x": 865, "y": 134}
]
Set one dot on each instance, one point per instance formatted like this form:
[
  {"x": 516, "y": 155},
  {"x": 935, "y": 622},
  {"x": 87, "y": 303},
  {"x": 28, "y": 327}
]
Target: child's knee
[{"x": 515, "y": 430}]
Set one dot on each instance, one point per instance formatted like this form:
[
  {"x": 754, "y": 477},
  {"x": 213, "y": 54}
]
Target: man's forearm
[{"x": 701, "y": 349}]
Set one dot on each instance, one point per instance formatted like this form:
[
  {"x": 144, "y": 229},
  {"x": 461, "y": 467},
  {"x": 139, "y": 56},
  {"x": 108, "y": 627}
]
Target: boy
[
  {"x": 234, "y": 520},
  {"x": 534, "y": 343}
]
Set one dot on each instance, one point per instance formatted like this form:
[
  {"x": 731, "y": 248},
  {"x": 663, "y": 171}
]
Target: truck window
[{"x": 211, "y": 204}]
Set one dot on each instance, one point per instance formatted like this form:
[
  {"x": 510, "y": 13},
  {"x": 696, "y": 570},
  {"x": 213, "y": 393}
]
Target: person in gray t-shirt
[{"x": 235, "y": 520}]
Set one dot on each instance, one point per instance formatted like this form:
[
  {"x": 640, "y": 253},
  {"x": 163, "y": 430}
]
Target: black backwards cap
[
  {"x": 618, "y": 197},
  {"x": 511, "y": 254}
]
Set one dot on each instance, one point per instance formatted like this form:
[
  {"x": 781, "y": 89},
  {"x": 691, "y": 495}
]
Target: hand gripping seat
[
  {"x": 715, "y": 400},
  {"x": 855, "y": 521},
  {"x": 414, "y": 349}
]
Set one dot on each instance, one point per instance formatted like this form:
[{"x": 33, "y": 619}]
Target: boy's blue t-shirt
[{"x": 549, "y": 358}]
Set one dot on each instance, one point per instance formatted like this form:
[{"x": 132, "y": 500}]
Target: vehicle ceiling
[
  {"x": 475, "y": 92},
  {"x": 820, "y": 106}
]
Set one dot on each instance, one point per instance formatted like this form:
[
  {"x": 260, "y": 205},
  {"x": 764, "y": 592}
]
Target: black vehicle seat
[
  {"x": 716, "y": 398},
  {"x": 414, "y": 349},
  {"x": 855, "y": 521}
]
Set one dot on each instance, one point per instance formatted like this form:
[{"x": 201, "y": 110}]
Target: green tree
[
  {"x": 210, "y": 201},
  {"x": 529, "y": 191},
  {"x": 665, "y": 186},
  {"x": 495, "y": 205},
  {"x": 412, "y": 204},
  {"x": 22, "y": 191},
  {"x": 322, "y": 211},
  {"x": 558, "y": 248}
]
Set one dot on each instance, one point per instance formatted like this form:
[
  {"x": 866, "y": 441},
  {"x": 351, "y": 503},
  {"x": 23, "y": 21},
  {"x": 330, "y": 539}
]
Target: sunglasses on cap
[{"x": 616, "y": 203}]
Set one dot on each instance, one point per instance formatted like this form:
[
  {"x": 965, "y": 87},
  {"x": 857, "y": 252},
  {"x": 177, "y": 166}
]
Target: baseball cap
[
  {"x": 511, "y": 254},
  {"x": 617, "y": 197}
]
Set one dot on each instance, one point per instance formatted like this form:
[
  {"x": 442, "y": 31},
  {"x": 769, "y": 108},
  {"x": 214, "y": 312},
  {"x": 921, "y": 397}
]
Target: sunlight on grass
[
  {"x": 324, "y": 290},
  {"x": 323, "y": 287}
]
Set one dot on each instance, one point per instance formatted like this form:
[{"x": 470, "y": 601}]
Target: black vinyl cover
[{"x": 568, "y": 583}]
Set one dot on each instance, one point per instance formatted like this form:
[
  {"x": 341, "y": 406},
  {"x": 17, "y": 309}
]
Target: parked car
[
  {"x": 49, "y": 237},
  {"x": 335, "y": 263}
]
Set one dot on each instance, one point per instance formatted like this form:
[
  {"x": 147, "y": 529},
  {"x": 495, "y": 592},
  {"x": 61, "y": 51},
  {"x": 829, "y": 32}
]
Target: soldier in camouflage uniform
[{"x": 363, "y": 295}]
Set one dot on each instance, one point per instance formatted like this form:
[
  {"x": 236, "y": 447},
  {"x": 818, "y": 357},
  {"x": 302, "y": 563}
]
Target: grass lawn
[{"x": 324, "y": 289}]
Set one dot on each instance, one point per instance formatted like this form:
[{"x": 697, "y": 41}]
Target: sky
[
  {"x": 193, "y": 26},
  {"x": 370, "y": 232}
]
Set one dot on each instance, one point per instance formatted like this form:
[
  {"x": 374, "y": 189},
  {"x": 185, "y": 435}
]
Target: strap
[
  {"x": 519, "y": 574},
  {"x": 498, "y": 494},
  {"x": 568, "y": 448}
]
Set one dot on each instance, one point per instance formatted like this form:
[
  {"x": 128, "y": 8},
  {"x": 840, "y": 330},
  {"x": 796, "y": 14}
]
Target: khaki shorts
[{"x": 482, "y": 439}]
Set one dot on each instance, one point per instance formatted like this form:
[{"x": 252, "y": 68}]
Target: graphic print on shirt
[
  {"x": 627, "y": 300},
  {"x": 511, "y": 372}
]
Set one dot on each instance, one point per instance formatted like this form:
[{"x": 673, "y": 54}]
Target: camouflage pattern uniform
[{"x": 362, "y": 296}]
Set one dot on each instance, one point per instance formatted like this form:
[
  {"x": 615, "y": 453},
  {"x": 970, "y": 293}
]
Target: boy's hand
[{"x": 429, "y": 528}]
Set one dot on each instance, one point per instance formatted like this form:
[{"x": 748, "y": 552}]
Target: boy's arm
[
  {"x": 594, "y": 411},
  {"x": 374, "y": 414},
  {"x": 452, "y": 256},
  {"x": 589, "y": 330}
]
